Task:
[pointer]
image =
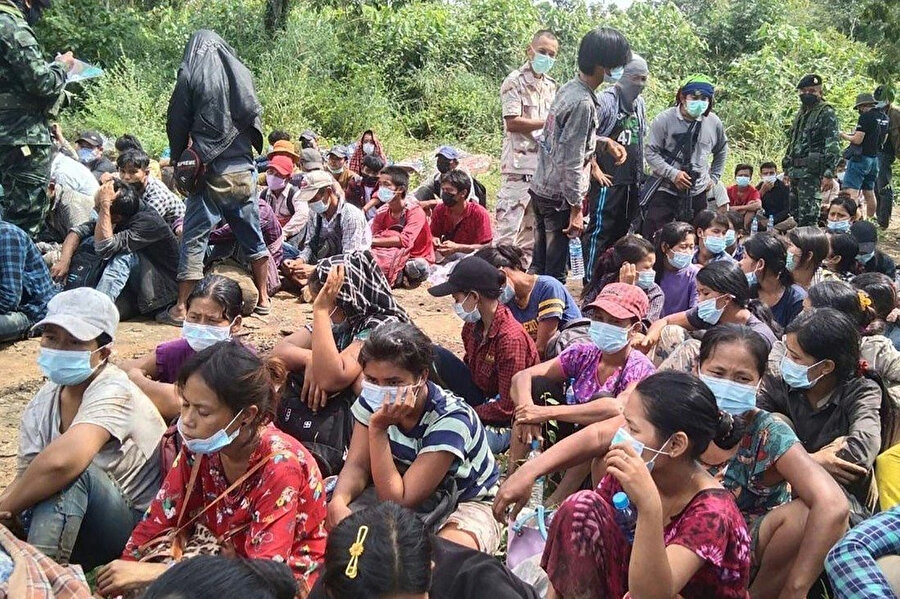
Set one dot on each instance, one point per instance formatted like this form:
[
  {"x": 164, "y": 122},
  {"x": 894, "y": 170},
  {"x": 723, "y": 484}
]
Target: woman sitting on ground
[
  {"x": 255, "y": 489},
  {"x": 403, "y": 418},
  {"x": 542, "y": 304},
  {"x": 596, "y": 374},
  {"x": 841, "y": 263},
  {"x": 723, "y": 297},
  {"x": 843, "y": 417},
  {"x": 495, "y": 343},
  {"x": 807, "y": 248},
  {"x": 213, "y": 315},
  {"x": 676, "y": 275},
  {"x": 88, "y": 464},
  {"x": 789, "y": 537},
  {"x": 214, "y": 577},
  {"x": 630, "y": 260},
  {"x": 690, "y": 539},
  {"x": 883, "y": 292},
  {"x": 420, "y": 564},
  {"x": 352, "y": 298},
  {"x": 764, "y": 265},
  {"x": 842, "y": 213}
]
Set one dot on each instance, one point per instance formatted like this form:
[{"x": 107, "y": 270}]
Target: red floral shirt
[{"x": 283, "y": 502}]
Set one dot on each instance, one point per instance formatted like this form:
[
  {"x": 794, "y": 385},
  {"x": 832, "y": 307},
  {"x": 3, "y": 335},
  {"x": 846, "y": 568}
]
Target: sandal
[
  {"x": 263, "y": 310},
  {"x": 165, "y": 317}
]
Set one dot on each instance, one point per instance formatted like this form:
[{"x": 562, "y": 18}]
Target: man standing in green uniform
[
  {"x": 813, "y": 150},
  {"x": 30, "y": 89}
]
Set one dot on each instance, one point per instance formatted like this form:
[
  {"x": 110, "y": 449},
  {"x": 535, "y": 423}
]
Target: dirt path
[{"x": 20, "y": 376}]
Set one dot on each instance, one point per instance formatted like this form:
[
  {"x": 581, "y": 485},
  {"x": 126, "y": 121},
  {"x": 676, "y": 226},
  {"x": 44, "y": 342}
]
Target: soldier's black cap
[
  {"x": 91, "y": 138},
  {"x": 809, "y": 81}
]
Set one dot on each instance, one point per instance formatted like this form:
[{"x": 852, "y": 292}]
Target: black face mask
[
  {"x": 443, "y": 166},
  {"x": 809, "y": 99},
  {"x": 369, "y": 181},
  {"x": 449, "y": 199}
]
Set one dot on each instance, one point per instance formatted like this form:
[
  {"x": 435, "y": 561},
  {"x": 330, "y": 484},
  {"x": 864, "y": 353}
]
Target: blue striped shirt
[{"x": 447, "y": 424}]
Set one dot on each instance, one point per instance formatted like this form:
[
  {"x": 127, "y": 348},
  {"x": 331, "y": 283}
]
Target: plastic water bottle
[
  {"x": 754, "y": 225},
  {"x": 625, "y": 515},
  {"x": 537, "y": 490},
  {"x": 576, "y": 259},
  {"x": 570, "y": 393}
]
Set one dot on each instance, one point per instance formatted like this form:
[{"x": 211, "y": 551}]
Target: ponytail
[
  {"x": 764, "y": 313},
  {"x": 729, "y": 430}
]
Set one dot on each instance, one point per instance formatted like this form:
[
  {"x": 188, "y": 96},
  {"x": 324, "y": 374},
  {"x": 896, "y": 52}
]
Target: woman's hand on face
[
  {"x": 627, "y": 467},
  {"x": 394, "y": 412},
  {"x": 628, "y": 273},
  {"x": 120, "y": 576},
  {"x": 512, "y": 495},
  {"x": 327, "y": 297}
]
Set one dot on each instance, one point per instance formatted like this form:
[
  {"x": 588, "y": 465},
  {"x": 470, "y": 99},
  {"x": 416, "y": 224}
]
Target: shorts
[
  {"x": 861, "y": 173},
  {"x": 477, "y": 519}
]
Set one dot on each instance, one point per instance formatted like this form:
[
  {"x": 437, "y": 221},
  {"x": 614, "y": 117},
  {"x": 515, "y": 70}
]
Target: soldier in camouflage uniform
[
  {"x": 30, "y": 89},
  {"x": 813, "y": 150}
]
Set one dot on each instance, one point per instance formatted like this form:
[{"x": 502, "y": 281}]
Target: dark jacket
[{"x": 214, "y": 100}]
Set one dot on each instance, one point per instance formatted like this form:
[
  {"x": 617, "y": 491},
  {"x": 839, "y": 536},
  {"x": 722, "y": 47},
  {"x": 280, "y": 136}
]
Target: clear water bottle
[
  {"x": 625, "y": 515},
  {"x": 570, "y": 393},
  {"x": 754, "y": 225},
  {"x": 537, "y": 490},
  {"x": 576, "y": 259}
]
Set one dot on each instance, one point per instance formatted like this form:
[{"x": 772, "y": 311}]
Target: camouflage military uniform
[
  {"x": 813, "y": 151},
  {"x": 29, "y": 90}
]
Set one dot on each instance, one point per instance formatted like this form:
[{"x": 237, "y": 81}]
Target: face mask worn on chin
[
  {"x": 797, "y": 375},
  {"x": 742, "y": 181},
  {"x": 541, "y": 63},
  {"x": 734, "y": 398},
  {"x": 66, "y": 367},
  {"x": 377, "y": 395},
  {"x": 385, "y": 194},
  {"x": 471, "y": 316},
  {"x": 219, "y": 441},
  {"x": 614, "y": 75},
  {"x": 708, "y": 312},
  {"x": 608, "y": 337},
  {"x": 85, "y": 155},
  {"x": 646, "y": 279},
  {"x": 809, "y": 99},
  {"x": 336, "y": 171},
  {"x": 696, "y": 108},
  {"x": 507, "y": 294},
  {"x": 715, "y": 243},
  {"x": 839, "y": 226},
  {"x": 623, "y": 436},
  {"x": 274, "y": 182},
  {"x": 201, "y": 336},
  {"x": 680, "y": 260},
  {"x": 368, "y": 148}
]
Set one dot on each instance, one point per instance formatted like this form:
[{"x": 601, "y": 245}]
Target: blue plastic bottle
[
  {"x": 576, "y": 259},
  {"x": 625, "y": 515}
]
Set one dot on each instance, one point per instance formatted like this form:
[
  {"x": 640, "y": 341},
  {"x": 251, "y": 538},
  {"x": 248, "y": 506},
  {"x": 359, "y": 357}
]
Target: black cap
[
  {"x": 866, "y": 235},
  {"x": 309, "y": 134},
  {"x": 91, "y": 138},
  {"x": 470, "y": 274},
  {"x": 809, "y": 81}
]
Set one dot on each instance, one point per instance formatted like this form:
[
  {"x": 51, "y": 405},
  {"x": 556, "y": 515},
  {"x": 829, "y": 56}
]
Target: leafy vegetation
[{"x": 423, "y": 72}]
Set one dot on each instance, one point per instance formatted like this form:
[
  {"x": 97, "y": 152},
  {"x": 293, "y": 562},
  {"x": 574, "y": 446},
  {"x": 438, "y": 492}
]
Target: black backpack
[{"x": 85, "y": 269}]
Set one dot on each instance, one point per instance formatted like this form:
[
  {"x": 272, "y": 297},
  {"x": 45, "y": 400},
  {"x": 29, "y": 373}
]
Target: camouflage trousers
[
  {"x": 805, "y": 200},
  {"x": 515, "y": 215},
  {"x": 24, "y": 178}
]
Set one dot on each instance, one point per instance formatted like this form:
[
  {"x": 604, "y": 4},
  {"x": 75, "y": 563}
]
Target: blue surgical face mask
[
  {"x": 506, "y": 294},
  {"x": 66, "y": 367},
  {"x": 85, "y": 155},
  {"x": 680, "y": 260},
  {"x": 697, "y": 108},
  {"x": 472, "y": 315},
  {"x": 797, "y": 375},
  {"x": 318, "y": 207},
  {"x": 608, "y": 337},
  {"x": 734, "y": 398},
  {"x": 864, "y": 258},
  {"x": 377, "y": 395},
  {"x": 614, "y": 75},
  {"x": 541, "y": 63},
  {"x": 839, "y": 226},
  {"x": 715, "y": 244},
  {"x": 385, "y": 194},
  {"x": 623, "y": 436},
  {"x": 751, "y": 277},
  {"x": 742, "y": 181},
  {"x": 646, "y": 279},
  {"x": 790, "y": 261},
  {"x": 708, "y": 312},
  {"x": 201, "y": 336},
  {"x": 730, "y": 237},
  {"x": 219, "y": 441}
]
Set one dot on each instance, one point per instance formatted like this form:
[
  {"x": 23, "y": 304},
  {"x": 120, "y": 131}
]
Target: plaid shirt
[
  {"x": 161, "y": 199},
  {"x": 25, "y": 284},
  {"x": 42, "y": 578},
  {"x": 493, "y": 358},
  {"x": 851, "y": 563}
]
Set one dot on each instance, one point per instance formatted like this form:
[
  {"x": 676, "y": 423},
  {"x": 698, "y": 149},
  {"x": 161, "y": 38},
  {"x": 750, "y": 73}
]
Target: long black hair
[
  {"x": 670, "y": 235},
  {"x": 881, "y": 290},
  {"x": 812, "y": 242},
  {"x": 845, "y": 246},
  {"x": 214, "y": 577},
  {"x": 631, "y": 248},
  {"x": 503, "y": 255},
  {"x": 696, "y": 412},
  {"x": 827, "y": 334},
  {"x": 727, "y": 277},
  {"x": 396, "y": 554},
  {"x": 767, "y": 247},
  {"x": 854, "y": 303}
]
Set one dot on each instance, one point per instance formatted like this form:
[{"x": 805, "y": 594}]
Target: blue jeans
[
  {"x": 498, "y": 438},
  {"x": 87, "y": 523},
  {"x": 861, "y": 173},
  {"x": 121, "y": 270},
  {"x": 13, "y": 326},
  {"x": 231, "y": 197}
]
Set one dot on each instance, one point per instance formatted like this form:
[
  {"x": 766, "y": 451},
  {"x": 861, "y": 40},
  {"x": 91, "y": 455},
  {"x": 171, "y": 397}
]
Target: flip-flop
[
  {"x": 165, "y": 317},
  {"x": 263, "y": 310}
]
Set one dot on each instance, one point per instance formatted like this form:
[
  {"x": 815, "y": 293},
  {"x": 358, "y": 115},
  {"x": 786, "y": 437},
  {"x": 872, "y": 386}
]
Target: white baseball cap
[{"x": 84, "y": 312}]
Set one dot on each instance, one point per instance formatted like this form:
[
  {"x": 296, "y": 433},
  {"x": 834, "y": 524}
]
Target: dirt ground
[{"x": 20, "y": 376}]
